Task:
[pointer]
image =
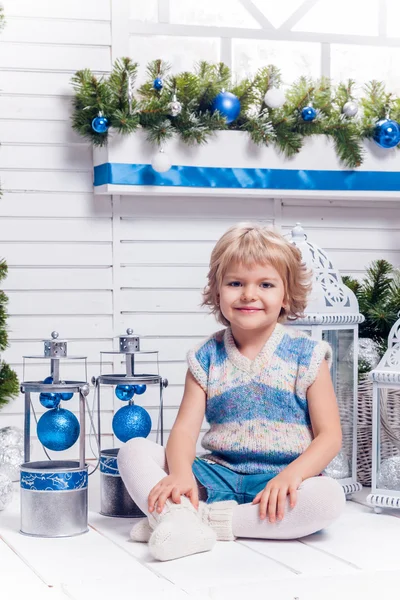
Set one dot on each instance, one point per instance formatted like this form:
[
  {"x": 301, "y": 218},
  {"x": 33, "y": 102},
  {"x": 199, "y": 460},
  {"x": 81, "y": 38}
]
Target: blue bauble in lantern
[
  {"x": 100, "y": 124},
  {"x": 158, "y": 84},
  {"x": 49, "y": 400},
  {"x": 66, "y": 395},
  {"x": 227, "y": 104},
  {"x": 131, "y": 421},
  {"x": 58, "y": 429},
  {"x": 140, "y": 388},
  {"x": 48, "y": 380},
  {"x": 308, "y": 113},
  {"x": 387, "y": 133},
  {"x": 125, "y": 392}
]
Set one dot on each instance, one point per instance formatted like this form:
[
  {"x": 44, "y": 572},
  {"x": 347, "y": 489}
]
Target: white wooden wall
[{"x": 89, "y": 267}]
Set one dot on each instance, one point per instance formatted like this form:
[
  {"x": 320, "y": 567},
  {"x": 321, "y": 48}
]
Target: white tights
[{"x": 320, "y": 500}]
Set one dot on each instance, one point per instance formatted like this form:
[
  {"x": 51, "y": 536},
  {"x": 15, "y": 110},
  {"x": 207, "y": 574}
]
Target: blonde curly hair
[{"x": 250, "y": 244}]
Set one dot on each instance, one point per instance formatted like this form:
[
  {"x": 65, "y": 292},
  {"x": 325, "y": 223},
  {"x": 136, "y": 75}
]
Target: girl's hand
[
  {"x": 174, "y": 486},
  {"x": 272, "y": 498}
]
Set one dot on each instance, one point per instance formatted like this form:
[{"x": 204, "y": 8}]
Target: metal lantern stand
[
  {"x": 54, "y": 498},
  {"x": 332, "y": 314},
  {"x": 385, "y": 488},
  {"x": 114, "y": 498}
]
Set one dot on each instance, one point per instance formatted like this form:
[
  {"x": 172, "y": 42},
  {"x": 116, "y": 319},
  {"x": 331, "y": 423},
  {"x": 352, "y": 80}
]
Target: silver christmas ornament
[
  {"x": 275, "y": 98},
  {"x": 339, "y": 467},
  {"x": 11, "y": 436},
  {"x": 6, "y": 491},
  {"x": 11, "y": 459},
  {"x": 367, "y": 353},
  {"x": 350, "y": 109},
  {"x": 174, "y": 107},
  {"x": 389, "y": 474}
]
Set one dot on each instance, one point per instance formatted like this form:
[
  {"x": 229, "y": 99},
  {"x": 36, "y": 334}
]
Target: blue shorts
[{"x": 221, "y": 483}]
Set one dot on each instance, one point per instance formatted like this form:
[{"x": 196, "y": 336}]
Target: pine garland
[{"x": 282, "y": 127}]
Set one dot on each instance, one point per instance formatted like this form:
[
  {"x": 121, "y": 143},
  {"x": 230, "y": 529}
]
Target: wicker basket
[{"x": 364, "y": 435}]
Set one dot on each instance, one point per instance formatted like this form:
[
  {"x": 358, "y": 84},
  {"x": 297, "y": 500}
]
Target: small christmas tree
[{"x": 9, "y": 386}]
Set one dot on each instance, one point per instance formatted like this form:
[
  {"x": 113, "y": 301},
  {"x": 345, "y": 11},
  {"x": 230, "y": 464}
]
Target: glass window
[
  {"x": 277, "y": 12},
  {"x": 218, "y": 13},
  {"x": 292, "y": 58},
  {"x": 181, "y": 52},
  {"x": 393, "y": 18},
  {"x": 350, "y": 17},
  {"x": 144, "y": 11}
]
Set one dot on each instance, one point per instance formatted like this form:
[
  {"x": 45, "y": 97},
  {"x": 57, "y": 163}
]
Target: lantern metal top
[
  {"x": 330, "y": 300},
  {"x": 129, "y": 342},
  {"x": 388, "y": 369}
]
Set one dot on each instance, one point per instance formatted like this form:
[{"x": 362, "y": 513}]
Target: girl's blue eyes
[{"x": 265, "y": 285}]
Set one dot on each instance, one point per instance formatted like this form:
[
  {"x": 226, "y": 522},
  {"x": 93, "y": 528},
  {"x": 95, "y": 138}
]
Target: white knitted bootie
[
  {"x": 141, "y": 531},
  {"x": 179, "y": 531},
  {"x": 218, "y": 515}
]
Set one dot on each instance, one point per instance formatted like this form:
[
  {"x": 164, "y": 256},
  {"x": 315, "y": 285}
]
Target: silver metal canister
[
  {"x": 114, "y": 498},
  {"x": 54, "y": 498}
]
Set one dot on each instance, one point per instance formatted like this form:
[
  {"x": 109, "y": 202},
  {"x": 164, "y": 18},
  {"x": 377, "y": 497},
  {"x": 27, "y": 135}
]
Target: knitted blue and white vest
[{"x": 257, "y": 409}]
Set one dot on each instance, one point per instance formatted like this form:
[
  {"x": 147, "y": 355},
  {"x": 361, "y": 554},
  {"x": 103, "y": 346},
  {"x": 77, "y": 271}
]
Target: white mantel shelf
[{"x": 231, "y": 165}]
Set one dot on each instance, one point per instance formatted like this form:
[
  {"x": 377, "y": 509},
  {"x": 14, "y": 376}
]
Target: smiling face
[{"x": 251, "y": 298}]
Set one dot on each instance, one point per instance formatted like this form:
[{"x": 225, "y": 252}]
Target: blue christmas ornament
[
  {"x": 100, "y": 124},
  {"x": 49, "y": 400},
  {"x": 308, "y": 113},
  {"x": 48, "y": 380},
  {"x": 125, "y": 392},
  {"x": 66, "y": 395},
  {"x": 140, "y": 388},
  {"x": 158, "y": 84},
  {"x": 58, "y": 429},
  {"x": 131, "y": 421},
  {"x": 227, "y": 104},
  {"x": 387, "y": 133}
]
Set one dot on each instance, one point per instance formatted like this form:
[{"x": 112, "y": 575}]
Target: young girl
[{"x": 268, "y": 398}]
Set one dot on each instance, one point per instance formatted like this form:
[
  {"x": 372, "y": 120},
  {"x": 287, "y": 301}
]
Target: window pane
[
  {"x": 354, "y": 17},
  {"x": 292, "y": 58},
  {"x": 364, "y": 63},
  {"x": 277, "y": 12},
  {"x": 393, "y": 18},
  {"x": 181, "y": 52},
  {"x": 219, "y": 13},
  {"x": 144, "y": 11}
]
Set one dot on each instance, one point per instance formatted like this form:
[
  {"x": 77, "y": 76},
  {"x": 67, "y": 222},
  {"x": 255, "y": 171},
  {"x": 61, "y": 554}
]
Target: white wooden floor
[{"x": 357, "y": 558}]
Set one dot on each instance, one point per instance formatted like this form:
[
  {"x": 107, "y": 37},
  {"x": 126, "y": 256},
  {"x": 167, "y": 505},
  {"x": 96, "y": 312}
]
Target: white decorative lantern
[
  {"x": 332, "y": 315},
  {"x": 385, "y": 488}
]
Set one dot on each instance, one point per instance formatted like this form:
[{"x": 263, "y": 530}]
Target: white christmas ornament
[
  {"x": 6, "y": 491},
  {"x": 350, "y": 109},
  {"x": 275, "y": 98},
  {"x": 161, "y": 162}
]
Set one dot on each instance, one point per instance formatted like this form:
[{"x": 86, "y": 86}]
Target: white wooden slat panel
[
  {"x": 35, "y": 107},
  {"x": 358, "y": 260},
  {"x": 71, "y": 326},
  {"x": 206, "y": 207},
  {"x": 48, "y": 31},
  {"x": 175, "y": 229},
  {"x": 166, "y": 252},
  {"x": 64, "y": 303},
  {"x": 56, "y": 254},
  {"x": 171, "y": 348},
  {"x": 55, "y": 205},
  {"x": 46, "y": 181},
  {"x": 89, "y": 348},
  {"x": 176, "y": 276},
  {"x": 66, "y": 158},
  {"x": 98, "y": 10},
  {"x": 35, "y": 278},
  {"x": 45, "y": 83},
  {"x": 160, "y": 300},
  {"x": 61, "y": 58},
  {"x": 57, "y": 230},
  {"x": 365, "y": 217},
  {"x": 36, "y": 132},
  {"x": 353, "y": 239},
  {"x": 171, "y": 324}
]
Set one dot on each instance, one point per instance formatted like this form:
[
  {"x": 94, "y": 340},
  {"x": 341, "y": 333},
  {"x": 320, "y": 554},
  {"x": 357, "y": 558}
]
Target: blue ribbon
[
  {"x": 109, "y": 465},
  {"x": 54, "y": 482},
  {"x": 272, "y": 179}
]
